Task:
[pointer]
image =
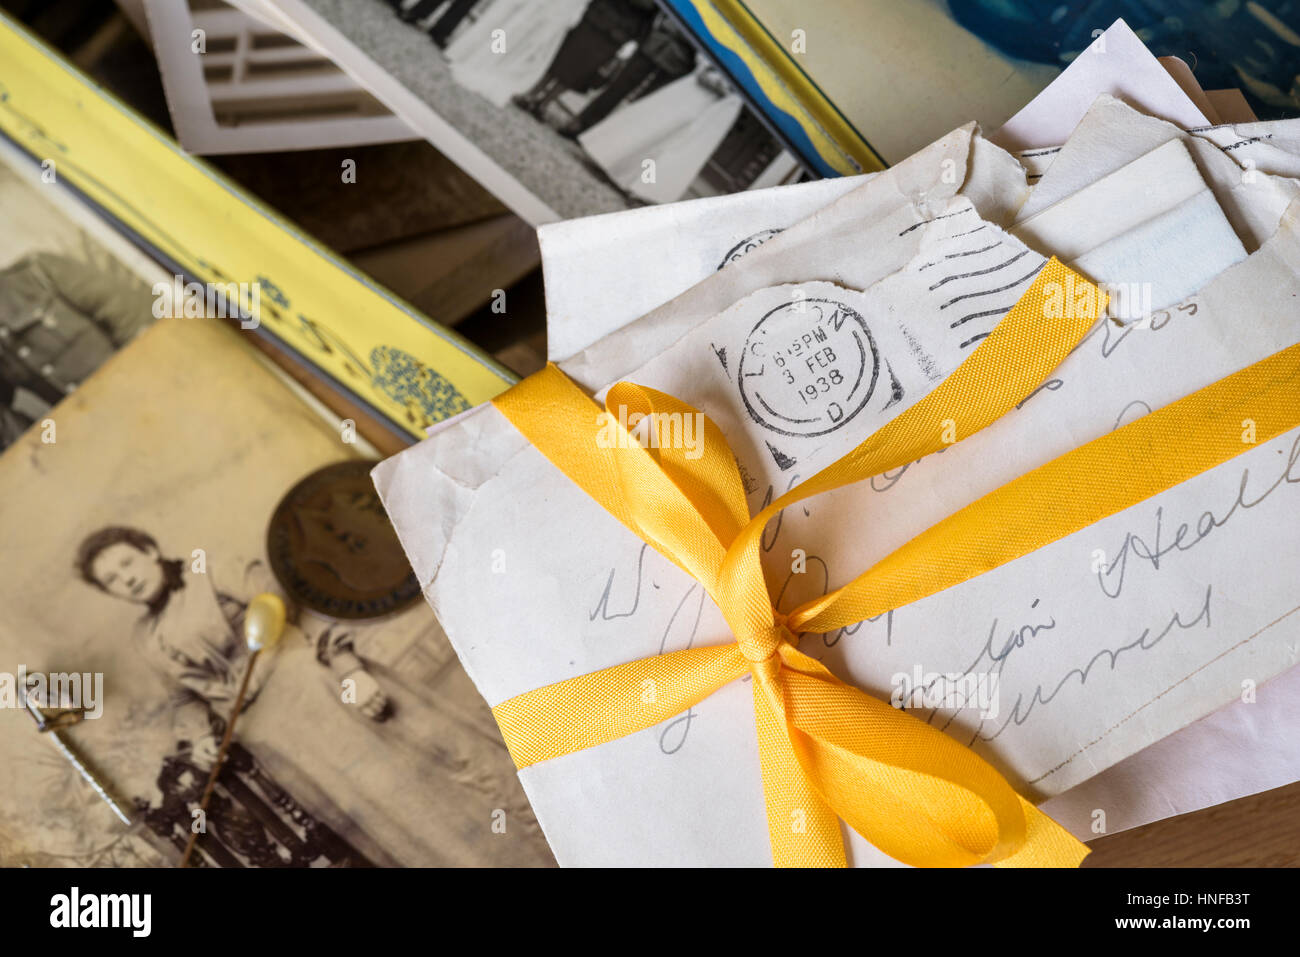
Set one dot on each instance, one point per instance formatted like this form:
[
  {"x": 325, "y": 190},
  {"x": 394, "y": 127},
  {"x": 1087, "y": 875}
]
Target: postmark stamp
[
  {"x": 747, "y": 245},
  {"x": 808, "y": 367}
]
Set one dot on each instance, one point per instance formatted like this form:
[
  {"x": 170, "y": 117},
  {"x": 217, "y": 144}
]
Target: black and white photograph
[
  {"x": 591, "y": 105},
  {"x": 359, "y": 742},
  {"x": 66, "y": 302}
]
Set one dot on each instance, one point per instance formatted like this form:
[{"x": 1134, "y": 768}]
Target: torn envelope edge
[
  {"x": 1270, "y": 146},
  {"x": 633, "y": 262},
  {"x": 641, "y": 244},
  {"x": 644, "y": 236},
  {"x": 592, "y": 262},
  {"x": 1112, "y": 135},
  {"x": 968, "y": 164},
  {"x": 961, "y": 163}
]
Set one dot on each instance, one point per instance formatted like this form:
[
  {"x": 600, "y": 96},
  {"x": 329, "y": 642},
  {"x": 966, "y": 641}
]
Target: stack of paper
[{"x": 1128, "y": 655}]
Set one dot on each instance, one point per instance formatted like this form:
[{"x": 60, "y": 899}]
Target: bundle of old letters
[{"x": 953, "y": 503}]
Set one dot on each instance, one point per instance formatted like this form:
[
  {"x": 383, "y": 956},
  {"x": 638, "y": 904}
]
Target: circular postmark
[
  {"x": 808, "y": 367},
  {"x": 746, "y": 246},
  {"x": 333, "y": 549}
]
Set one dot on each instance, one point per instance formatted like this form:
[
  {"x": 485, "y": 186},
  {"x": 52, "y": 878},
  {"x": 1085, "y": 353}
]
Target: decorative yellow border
[
  {"x": 362, "y": 337},
  {"x": 734, "y": 26}
]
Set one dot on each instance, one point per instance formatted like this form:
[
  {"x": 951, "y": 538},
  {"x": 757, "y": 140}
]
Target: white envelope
[
  {"x": 1111, "y": 135},
  {"x": 856, "y": 228},
  {"x": 603, "y": 272}
]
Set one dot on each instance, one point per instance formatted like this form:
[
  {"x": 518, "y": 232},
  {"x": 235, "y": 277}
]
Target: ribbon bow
[{"x": 827, "y": 750}]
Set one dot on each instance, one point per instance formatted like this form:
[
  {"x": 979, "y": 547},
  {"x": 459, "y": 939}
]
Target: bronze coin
[{"x": 333, "y": 548}]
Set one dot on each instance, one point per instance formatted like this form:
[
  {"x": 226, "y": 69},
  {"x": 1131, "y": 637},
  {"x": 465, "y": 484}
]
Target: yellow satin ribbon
[{"x": 827, "y": 750}]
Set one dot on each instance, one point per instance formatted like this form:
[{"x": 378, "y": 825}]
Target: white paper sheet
[
  {"x": 1154, "y": 183},
  {"x": 1270, "y": 146},
  {"x": 1247, "y": 747},
  {"x": 603, "y": 272},
  {"x": 1112, "y": 135},
  {"x": 1152, "y": 231},
  {"x": 1116, "y": 63}
]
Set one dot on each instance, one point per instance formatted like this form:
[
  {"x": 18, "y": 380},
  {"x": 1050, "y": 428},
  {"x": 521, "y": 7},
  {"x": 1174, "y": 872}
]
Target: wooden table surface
[{"x": 1262, "y": 830}]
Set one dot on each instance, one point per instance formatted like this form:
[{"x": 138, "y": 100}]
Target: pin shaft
[{"x": 89, "y": 776}]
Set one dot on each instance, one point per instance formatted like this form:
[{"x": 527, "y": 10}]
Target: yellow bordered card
[{"x": 362, "y": 339}]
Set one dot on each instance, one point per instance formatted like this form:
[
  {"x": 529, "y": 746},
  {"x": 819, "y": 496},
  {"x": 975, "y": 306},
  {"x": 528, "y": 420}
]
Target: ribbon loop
[
  {"x": 689, "y": 449},
  {"x": 930, "y": 802}
]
